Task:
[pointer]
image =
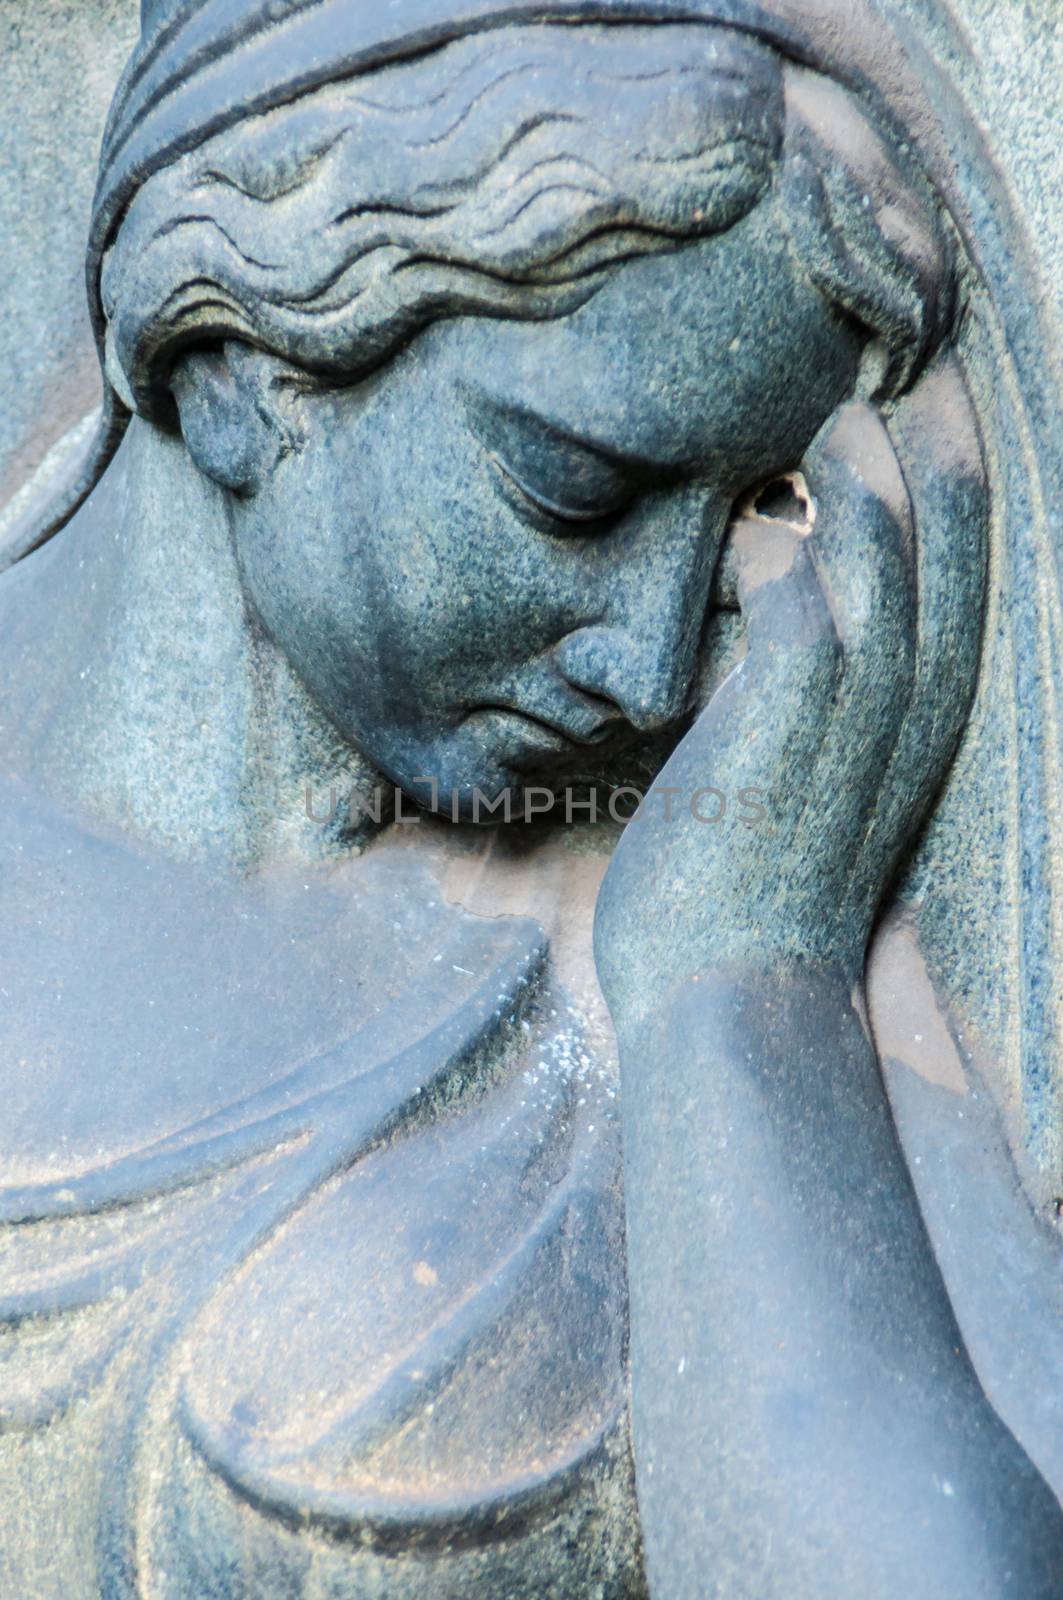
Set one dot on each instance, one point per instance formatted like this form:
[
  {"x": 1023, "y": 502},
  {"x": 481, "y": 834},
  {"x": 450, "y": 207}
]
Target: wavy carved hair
[{"x": 504, "y": 175}]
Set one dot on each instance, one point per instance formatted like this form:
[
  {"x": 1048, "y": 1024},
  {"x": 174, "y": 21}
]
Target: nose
[
  {"x": 642, "y": 655},
  {"x": 647, "y": 679},
  {"x": 641, "y": 652}
]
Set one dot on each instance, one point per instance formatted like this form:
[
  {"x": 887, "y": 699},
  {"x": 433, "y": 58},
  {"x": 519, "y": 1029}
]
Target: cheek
[
  {"x": 391, "y": 575},
  {"x": 388, "y": 621},
  {"x": 302, "y": 575},
  {"x": 479, "y": 589}
]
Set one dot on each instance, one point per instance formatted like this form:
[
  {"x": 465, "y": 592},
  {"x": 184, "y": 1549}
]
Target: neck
[{"x": 141, "y": 690}]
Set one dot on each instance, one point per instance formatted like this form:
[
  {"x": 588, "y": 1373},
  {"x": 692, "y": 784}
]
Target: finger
[
  {"x": 862, "y": 548},
  {"x": 811, "y": 715}
]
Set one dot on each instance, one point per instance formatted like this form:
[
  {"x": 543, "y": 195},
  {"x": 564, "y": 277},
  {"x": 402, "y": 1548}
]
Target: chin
[
  {"x": 495, "y": 796},
  {"x": 442, "y": 785}
]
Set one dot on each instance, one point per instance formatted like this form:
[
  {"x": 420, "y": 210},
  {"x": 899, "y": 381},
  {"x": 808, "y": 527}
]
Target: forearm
[{"x": 800, "y": 1390}]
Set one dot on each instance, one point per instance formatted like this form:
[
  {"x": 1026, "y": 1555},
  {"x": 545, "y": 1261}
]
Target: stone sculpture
[{"x": 510, "y": 404}]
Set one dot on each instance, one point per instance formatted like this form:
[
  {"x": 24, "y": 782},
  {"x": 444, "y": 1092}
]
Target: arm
[{"x": 805, "y": 1418}]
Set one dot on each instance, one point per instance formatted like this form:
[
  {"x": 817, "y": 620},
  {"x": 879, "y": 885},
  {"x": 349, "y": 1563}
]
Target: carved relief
[{"x": 508, "y": 402}]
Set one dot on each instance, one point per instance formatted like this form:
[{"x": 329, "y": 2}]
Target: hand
[{"x": 862, "y": 652}]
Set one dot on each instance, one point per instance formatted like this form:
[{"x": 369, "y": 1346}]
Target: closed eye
[
  {"x": 579, "y": 516},
  {"x": 549, "y": 474}
]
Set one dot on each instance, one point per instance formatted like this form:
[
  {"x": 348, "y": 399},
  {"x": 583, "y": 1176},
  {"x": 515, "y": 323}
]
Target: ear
[{"x": 229, "y": 403}]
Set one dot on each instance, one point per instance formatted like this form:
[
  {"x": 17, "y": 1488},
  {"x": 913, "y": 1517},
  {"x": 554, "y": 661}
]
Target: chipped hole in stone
[{"x": 785, "y": 498}]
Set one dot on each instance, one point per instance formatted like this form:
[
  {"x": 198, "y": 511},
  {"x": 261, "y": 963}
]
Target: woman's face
[{"x": 491, "y": 562}]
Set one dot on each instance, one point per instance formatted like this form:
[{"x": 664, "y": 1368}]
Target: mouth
[
  {"x": 557, "y": 734},
  {"x": 530, "y": 743}
]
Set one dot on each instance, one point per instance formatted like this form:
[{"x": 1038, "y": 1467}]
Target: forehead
[{"x": 706, "y": 358}]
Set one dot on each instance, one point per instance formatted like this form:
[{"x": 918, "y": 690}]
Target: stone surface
[
  {"x": 59, "y": 63},
  {"x": 503, "y": 410}
]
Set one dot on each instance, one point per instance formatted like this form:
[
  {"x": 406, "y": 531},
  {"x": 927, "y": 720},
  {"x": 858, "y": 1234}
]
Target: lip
[{"x": 555, "y": 734}]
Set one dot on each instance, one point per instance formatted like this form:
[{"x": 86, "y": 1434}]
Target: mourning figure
[{"x": 420, "y": 1174}]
